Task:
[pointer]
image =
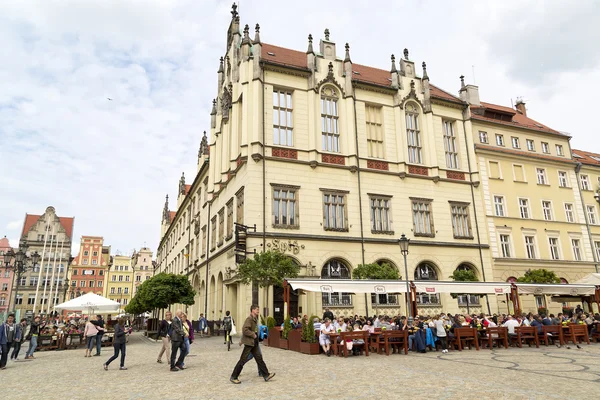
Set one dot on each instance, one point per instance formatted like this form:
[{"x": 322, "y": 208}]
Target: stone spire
[
  {"x": 203, "y": 151},
  {"x": 425, "y": 76},
  {"x": 394, "y": 74},
  {"x": 246, "y": 43},
  {"x": 347, "y": 57},
  {"x": 182, "y": 184},
  {"x": 310, "y": 47},
  {"x": 406, "y": 54},
  {"x": 213, "y": 114},
  {"x": 257, "y": 33},
  {"x": 326, "y": 34},
  {"x": 393, "y": 64},
  {"x": 426, "y": 89},
  {"x": 234, "y": 12},
  {"x": 220, "y": 65},
  {"x": 166, "y": 210}
]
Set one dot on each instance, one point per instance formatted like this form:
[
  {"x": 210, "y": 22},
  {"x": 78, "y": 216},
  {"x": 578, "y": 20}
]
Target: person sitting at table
[
  {"x": 415, "y": 335},
  {"x": 368, "y": 326},
  {"x": 376, "y": 321},
  {"x": 295, "y": 323},
  {"x": 510, "y": 325},
  {"x": 340, "y": 325},
  {"x": 385, "y": 324},
  {"x": 547, "y": 320},
  {"x": 317, "y": 324},
  {"x": 537, "y": 323},
  {"x": 324, "y": 339}
]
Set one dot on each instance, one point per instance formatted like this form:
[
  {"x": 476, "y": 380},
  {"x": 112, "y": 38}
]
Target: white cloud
[
  {"x": 110, "y": 163},
  {"x": 14, "y": 225}
]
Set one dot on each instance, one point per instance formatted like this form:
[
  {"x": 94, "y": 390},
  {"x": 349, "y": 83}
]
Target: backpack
[{"x": 227, "y": 323}]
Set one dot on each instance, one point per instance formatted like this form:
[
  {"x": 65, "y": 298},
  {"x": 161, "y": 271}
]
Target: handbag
[{"x": 233, "y": 330}]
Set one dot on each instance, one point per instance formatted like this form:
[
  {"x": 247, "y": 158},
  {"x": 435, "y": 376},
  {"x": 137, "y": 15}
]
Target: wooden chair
[
  {"x": 553, "y": 333},
  {"x": 73, "y": 341},
  {"x": 498, "y": 335},
  {"x": 596, "y": 336},
  {"x": 528, "y": 334},
  {"x": 577, "y": 334},
  {"x": 466, "y": 335},
  {"x": 47, "y": 342},
  {"x": 375, "y": 340},
  {"x": 396, "y": 340},
  {"x": 350, "y": 336}
]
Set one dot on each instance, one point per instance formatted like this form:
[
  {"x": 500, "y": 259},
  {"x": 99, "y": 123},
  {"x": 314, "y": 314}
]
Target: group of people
[
  {"x": 176, "y": 334},
  {"x": 12, "y": 336}
]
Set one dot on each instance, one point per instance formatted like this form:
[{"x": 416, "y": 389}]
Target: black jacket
[
  {"x": 100, "y": 324},
  {"x": 163, "y": 329},
  {"x": 177, "y": 334},
  {"x": 120, "y": 337},
  {"x": 328, "y": 314}
]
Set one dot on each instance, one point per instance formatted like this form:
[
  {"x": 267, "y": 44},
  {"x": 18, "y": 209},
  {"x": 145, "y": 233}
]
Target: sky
[{"x": 110, "y": 163}]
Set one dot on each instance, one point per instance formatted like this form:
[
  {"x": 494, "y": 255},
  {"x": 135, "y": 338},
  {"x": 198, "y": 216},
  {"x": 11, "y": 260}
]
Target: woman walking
[
  {"x": 119, "y": 343},
  {"x": 190, "y": 338},
  {"x": 90, "y": 333}
]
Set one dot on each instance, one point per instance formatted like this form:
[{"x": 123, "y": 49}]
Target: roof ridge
[{"x": 445, "y": 91}]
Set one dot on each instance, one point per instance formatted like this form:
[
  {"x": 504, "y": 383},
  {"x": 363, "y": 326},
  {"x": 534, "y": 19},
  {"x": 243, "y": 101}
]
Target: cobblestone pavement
[{"x": 528, "y": 373}]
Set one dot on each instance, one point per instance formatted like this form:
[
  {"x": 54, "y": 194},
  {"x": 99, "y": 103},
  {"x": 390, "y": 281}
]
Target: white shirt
[
  {"x": 326, "y": 330},
  {"x": 342, "y": 327},
  {"x": 511, "y": 324}
]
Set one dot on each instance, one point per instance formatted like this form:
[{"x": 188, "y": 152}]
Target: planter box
[
  {"x": 294, "y": 339},
  {"x": 283, "y": 344},
  {"x": 274, "y": 337},
  {"x": 309, "y": 348}
]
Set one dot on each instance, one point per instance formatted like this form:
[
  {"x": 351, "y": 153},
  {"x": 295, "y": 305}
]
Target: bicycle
[{"x": 228, "y": 339}]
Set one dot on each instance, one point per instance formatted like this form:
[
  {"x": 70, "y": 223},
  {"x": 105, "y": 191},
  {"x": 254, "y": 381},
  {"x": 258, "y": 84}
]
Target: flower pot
[
  {"x": 294, "y": 339},
  {"x": 309, "y": 348}
]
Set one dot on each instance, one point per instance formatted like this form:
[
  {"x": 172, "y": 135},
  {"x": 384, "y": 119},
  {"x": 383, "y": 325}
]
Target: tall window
[
  {"x": 422, "y": 218},
  {"x": 562, "y": 179},
  {"x": 239, "y": 214},
  {"x": 334, "y": 211},
  {"x": 230, "y": 218},
  {"x": 585, "y": 182},
  {"x": 381, "y": 216},
  {"x": 505, "y": 246},
  {"x": 530, "y": 145},
  {"x": 285, "y": 207},
  {"x": 450, "y": 145},
  {"x": 413, "y": 134},
  {"x": 461, "y": 223},
  {"x": 500, "y": 140},
  {"x": 545, "y": 147},
  {"x": 204, "y": 240},
  {"x": 515, "y": 142},
  {"x": 541, "y": 176},
  {"x": 221, "y": 225},
  {"x": 576, "y": 244},
  {"x": 329, "y": 120},
  {"x": 524, "y": 208},
  {"x": 499, "y": 206},
  {"x": 554, "y": 250},
  {"x": 559, "y": 150},
  {"x": 427, "y": 272},
  {"x": 374, "y": 131},
  {"x": 530, "y": 246},
  {"x": 591, "y": 212},
  {"x": 597, "y": 249},
  {"x": 282, "y": 118},
  {"x": 335, "y": 269},
  {"x": 213, "y": 232},
  {"x": 112, "y": 290},
  {"x": 570, "y": 216},
  {"x": 547, "y": 210},
  {"x": 483, "y": 137}
]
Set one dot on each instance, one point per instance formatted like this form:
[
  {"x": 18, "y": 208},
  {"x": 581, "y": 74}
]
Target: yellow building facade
[
  {"x": 120, "y": 280},
  {"x": 330, "y": 162}
]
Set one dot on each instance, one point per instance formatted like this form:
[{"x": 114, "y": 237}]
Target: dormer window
[{"x": 329, "y": 119}]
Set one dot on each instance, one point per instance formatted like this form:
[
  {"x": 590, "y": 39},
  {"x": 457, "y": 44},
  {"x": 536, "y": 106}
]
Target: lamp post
[
  {"x": 403, "y": 242},
  {"x": 19, "y": 265}
]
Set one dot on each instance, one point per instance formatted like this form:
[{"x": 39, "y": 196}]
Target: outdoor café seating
[
  {"x": 527, "y": 334},
  {"x": 351, "y": 336},
  {"x": 577, "y": 334},
  {"x": 396, "y": 340},
  {"x": 497, "y": 335},
  {"x": 552, "y": 334},
  {"x": 466, "y": 337}
]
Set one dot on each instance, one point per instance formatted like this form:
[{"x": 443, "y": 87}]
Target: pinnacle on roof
[
  {"x": 220, "y": 65},
  {"x": 347, "y": 57},
  {"x": 214, "y": 107},
  {"x": 257, "y": 33},
  {"x": 326, "y": 34},
  {"x": 406, "y": 54},
  {"x": 310, "y": 48},
  {"x": 234, "y": 12},
  {"x": 393, "y": 64},
  {"x": 425, "y": 76}
]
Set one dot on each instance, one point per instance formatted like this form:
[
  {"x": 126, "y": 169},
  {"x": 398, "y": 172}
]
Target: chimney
[
  {"x": 469, "y": 93},
  {"x": 520, "y": 105}
]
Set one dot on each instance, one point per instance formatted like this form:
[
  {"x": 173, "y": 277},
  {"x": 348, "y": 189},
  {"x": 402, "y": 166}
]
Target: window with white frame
[
  {"x": 559, "y": 150},
  {"x": 213, "y": 232},
  {"x": 524, "y": 208},
  {"x": 334, "y": 211},
  {"x": 530, "y": 145},
  {"x": 426, "y": 272},
  {"x": 413, "y": 134},
  {"x": 576, "y": 244},
  {"x": 515, "y": 142},
  {"x": 329, "y": 120},
  {"x": 381, "y": 214},
  {"x": 422, "y": 218},
  {"x": 499, "y": 206},
  {"x": 119, "y": 290},
  {"x": 505, "y": 245},
  {"x": 541, "y": 176},
  {"x": 591, "y": 213},
  {"x": 374, "y": 131},
  {"x": 530, "y": 246},
  {"x": 461, "y": 223},
  {"x": 450, "y": 145},
  {"x": 285, "y": 206},
  {"x": 229, "y": 220},
  {"x": 562, "y": 179},
  {"x": 500, "y": 140},
  {"x": 335, "y": 269},
  {"x": 221, "y": 215},
  {"x": 597, "y": 249},
  {"x": 554, "y": 248},
  {"x": 585, "y": 182},
  {"x": 545, "y": 148},
  {"x": 547, "y": 210},
  {"x": 282, "y": 118},
  {"x": 569, "y": 215},
  {"x": 483, "y": 137}
]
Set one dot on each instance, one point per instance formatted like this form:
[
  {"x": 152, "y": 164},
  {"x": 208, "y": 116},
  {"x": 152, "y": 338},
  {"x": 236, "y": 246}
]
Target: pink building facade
[{"x": 6, "y": 278}]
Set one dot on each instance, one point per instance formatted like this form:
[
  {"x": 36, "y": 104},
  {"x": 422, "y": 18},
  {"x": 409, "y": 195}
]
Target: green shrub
[
  {"x": 308, "y": 331},
  {"x": 287, "y": 327},
  {"x": 262, "y": 320}
]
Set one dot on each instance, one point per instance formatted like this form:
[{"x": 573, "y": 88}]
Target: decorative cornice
[{"x": 412, "y": 95}]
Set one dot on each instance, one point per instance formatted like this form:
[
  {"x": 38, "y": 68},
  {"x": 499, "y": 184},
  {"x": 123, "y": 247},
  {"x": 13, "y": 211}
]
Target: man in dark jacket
[
  {"x": 34, "y": 332},
  {"x": 328, "y": 314},
  {"x": 9, "y": 334},
  {"x": 177, "y": 343},
  {"x": 250, "y": 342},
  {"x": 98, "y": 322}
]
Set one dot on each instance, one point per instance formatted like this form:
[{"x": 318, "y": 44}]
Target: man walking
[
  {"x": 202, "y": 324},
  {"x": 164, "y": 331},
  {"x": 99, "y": 322},
  {"x": 177, "y": 343},
  {"x": 250, "y": 341},
  {"x": 9, "y": 333},
  {"x": 17, "y": 343},
  {"x": 34, "y": 332}
]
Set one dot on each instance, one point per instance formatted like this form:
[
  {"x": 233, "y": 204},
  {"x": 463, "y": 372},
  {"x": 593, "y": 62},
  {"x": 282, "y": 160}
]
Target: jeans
[
  {"x": 4, "y": 357},
  {"x": 174, "y": 347},
  {"x": 90, "y": 342},
  {"x": 32, "y": 346},
  {"x": 16, "y": 349},
  {"x": 250, "y": 357},
  {"x": 443, "y": 342},
  {"x": 166, "y": 348},
  {"x": 119, "y": 347},
  {"x": 98, "y": 342},
  {"x": 256, "y": 353}
]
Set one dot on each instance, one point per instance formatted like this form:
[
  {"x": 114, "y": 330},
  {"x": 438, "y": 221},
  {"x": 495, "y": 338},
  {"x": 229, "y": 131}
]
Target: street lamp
[
  {"x": 404, "y": 242},
  {"x": 19, "y": 265}
]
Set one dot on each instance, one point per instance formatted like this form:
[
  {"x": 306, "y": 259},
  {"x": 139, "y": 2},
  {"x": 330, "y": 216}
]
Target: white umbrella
[{"x": 91, "y": 302}]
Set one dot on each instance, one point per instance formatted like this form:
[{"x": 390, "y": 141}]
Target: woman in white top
[{"x": 324, "y": 340}]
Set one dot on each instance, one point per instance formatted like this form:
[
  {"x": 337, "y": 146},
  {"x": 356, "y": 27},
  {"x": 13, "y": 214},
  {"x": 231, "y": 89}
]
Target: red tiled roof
[
  {"x": 30, "y": 220},
  {"x": 172, "y": 215},
  {"x": 523, "y": 153},
  {"x": 283, "y": 56},
  {"x": 518, "y": 119},
  {"x": 4, "y": 243},
  {"x": 586, "y": 157},
  {"x": 187, "y": 189}
]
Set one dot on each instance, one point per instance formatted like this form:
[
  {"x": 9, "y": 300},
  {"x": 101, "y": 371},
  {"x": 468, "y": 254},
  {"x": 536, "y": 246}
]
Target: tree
[
  {"x": 375, "y": 271},
  {"x": 539, "y": 276},
  {"x": 161, "y": 291},
  {"x": 464, "y": 275},
  {"x": 266, "y": 269}
]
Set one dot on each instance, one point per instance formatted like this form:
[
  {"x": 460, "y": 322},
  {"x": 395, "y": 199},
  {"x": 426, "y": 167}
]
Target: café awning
[
  {"x": 559, "y": 289},
  {"x": 462, "y": 287},
  {"x": 348, "y": 285},
  {"x": 591, "y": 279}
]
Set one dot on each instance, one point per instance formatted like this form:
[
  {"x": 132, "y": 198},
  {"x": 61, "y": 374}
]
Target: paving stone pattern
[{"x": 528, "y": 373}]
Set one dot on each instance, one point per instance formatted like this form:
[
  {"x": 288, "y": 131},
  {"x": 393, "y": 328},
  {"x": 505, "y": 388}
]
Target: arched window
[
  {"x": 335, "y": 269},
  {"x": 384, "y": 299},
  {"x": 413, "y": 134},
  {"x": 563, "y": 281},
  {"x": 511, "y": 279},
  {"x": 329, "y": 119},
  {"x": 463, "y": 298},
  {"x": 427, "y": 272}
]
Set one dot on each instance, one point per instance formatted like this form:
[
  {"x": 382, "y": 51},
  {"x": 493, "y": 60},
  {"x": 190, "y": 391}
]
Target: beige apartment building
[
  {"x": 141, "y": 263},
  {"x": 119, "y": 280}
]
